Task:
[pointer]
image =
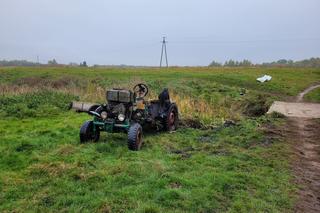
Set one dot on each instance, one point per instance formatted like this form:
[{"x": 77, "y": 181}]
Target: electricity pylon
[{"x": 164, "y": 48}]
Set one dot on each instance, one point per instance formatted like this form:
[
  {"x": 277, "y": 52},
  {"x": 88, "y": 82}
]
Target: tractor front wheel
[
  {"x": 135, "y": 137},
  {"x": 88, "y": 133}
]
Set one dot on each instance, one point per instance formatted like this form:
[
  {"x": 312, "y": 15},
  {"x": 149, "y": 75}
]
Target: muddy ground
[
  {"x": 304, "y": 136},
  {"x": 303, "y": 133}
]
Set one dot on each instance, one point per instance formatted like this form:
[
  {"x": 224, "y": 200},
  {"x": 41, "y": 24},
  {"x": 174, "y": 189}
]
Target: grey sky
[{"x": 130, "y": 31}]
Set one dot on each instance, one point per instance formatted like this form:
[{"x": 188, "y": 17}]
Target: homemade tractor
[{"x": 127, "y": 111}]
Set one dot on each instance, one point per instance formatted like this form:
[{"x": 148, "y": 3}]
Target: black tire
[
  {"x": 87, "y": 133},
  {"x": 171, "y": 121},
  {"x": 135, "y": 137}
]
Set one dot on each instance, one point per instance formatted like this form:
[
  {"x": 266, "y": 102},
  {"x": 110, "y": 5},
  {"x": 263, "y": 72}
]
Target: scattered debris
[
  {"x": 264, "y": 78},
  {"x": 229, "y": 123}
]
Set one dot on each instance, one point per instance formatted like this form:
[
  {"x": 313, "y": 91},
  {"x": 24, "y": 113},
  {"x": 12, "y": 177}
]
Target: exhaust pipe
[{"x": 83, "y": 106}]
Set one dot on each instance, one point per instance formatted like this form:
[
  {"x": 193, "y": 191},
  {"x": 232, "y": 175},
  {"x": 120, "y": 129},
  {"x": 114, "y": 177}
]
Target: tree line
[
  {"x": 312, "y": 62},
  {"x": 25, "y": 63}
]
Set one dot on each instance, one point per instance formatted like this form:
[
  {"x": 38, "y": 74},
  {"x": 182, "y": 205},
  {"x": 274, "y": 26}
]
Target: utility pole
[
  {"x": 164, "y": 49},
  {"x": 38, "y": 59}
]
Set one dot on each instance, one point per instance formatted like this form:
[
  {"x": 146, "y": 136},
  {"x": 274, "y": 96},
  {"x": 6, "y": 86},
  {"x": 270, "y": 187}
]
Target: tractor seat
[
  {"x": 164, "y": 98},
  {"x": 160, "y": 106}
]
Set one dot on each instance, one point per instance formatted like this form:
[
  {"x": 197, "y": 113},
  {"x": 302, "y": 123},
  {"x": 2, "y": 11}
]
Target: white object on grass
[{"x": 264, "y": 78}]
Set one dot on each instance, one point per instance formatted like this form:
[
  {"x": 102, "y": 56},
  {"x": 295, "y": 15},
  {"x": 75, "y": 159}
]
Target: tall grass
[{"x": 190, "y": 106}]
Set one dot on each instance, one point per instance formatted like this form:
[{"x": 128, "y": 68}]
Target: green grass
[
  {"x": 44, "y": 168},
  {"x": 313, "y": 96},
  {"x": 234, "y": 169},
  {"x": 35, "y": 104},
  {"x": 286, "y": 81}
]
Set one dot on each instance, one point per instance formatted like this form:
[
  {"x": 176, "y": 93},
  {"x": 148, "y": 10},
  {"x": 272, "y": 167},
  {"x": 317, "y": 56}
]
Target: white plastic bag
[{"x": 264, "y": 78}]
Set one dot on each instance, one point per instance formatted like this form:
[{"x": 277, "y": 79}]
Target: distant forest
[
  {"x": 17, "y": 63},
  {"x": 25, "y": 63},
  {"x": 312, "y": 62}
]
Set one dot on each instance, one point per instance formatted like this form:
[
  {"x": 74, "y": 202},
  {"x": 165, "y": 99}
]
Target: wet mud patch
[
  {"x": 195, "y": 123},
  {"x": 303, "y": 135}
]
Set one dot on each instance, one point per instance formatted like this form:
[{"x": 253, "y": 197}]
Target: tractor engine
[{"x": 120, "y": 104}]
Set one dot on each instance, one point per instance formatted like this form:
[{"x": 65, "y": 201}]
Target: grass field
[{"x": 241, "y": 168}]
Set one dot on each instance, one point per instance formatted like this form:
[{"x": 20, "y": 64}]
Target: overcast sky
[{"x": 130, "y": 31}]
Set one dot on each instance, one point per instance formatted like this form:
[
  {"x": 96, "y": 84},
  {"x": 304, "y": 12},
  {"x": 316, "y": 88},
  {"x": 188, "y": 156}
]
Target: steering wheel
[{"x": 141, "y": 90}]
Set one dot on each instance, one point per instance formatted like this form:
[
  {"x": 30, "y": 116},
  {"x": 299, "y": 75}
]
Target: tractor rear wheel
[
  {"x": 171, "y": 121},
  {"x": 135, "y": 137},
  {"x": 87, "y": 132}
]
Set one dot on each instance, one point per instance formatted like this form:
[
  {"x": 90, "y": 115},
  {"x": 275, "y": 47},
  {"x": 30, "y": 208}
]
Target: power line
[
  {"x": 199, "y": 41},
  {"x": 164, "y": 49}
]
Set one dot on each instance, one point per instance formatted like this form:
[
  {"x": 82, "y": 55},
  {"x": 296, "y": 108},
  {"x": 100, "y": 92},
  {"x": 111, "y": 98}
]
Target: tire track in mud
[{"x": 304, "y": 136}]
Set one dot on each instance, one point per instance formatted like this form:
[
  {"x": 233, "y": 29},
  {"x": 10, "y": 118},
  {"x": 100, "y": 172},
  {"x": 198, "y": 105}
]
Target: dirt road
[
  {"x": 303, "y": 133},
  {"x": 309, "y": 89}
]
